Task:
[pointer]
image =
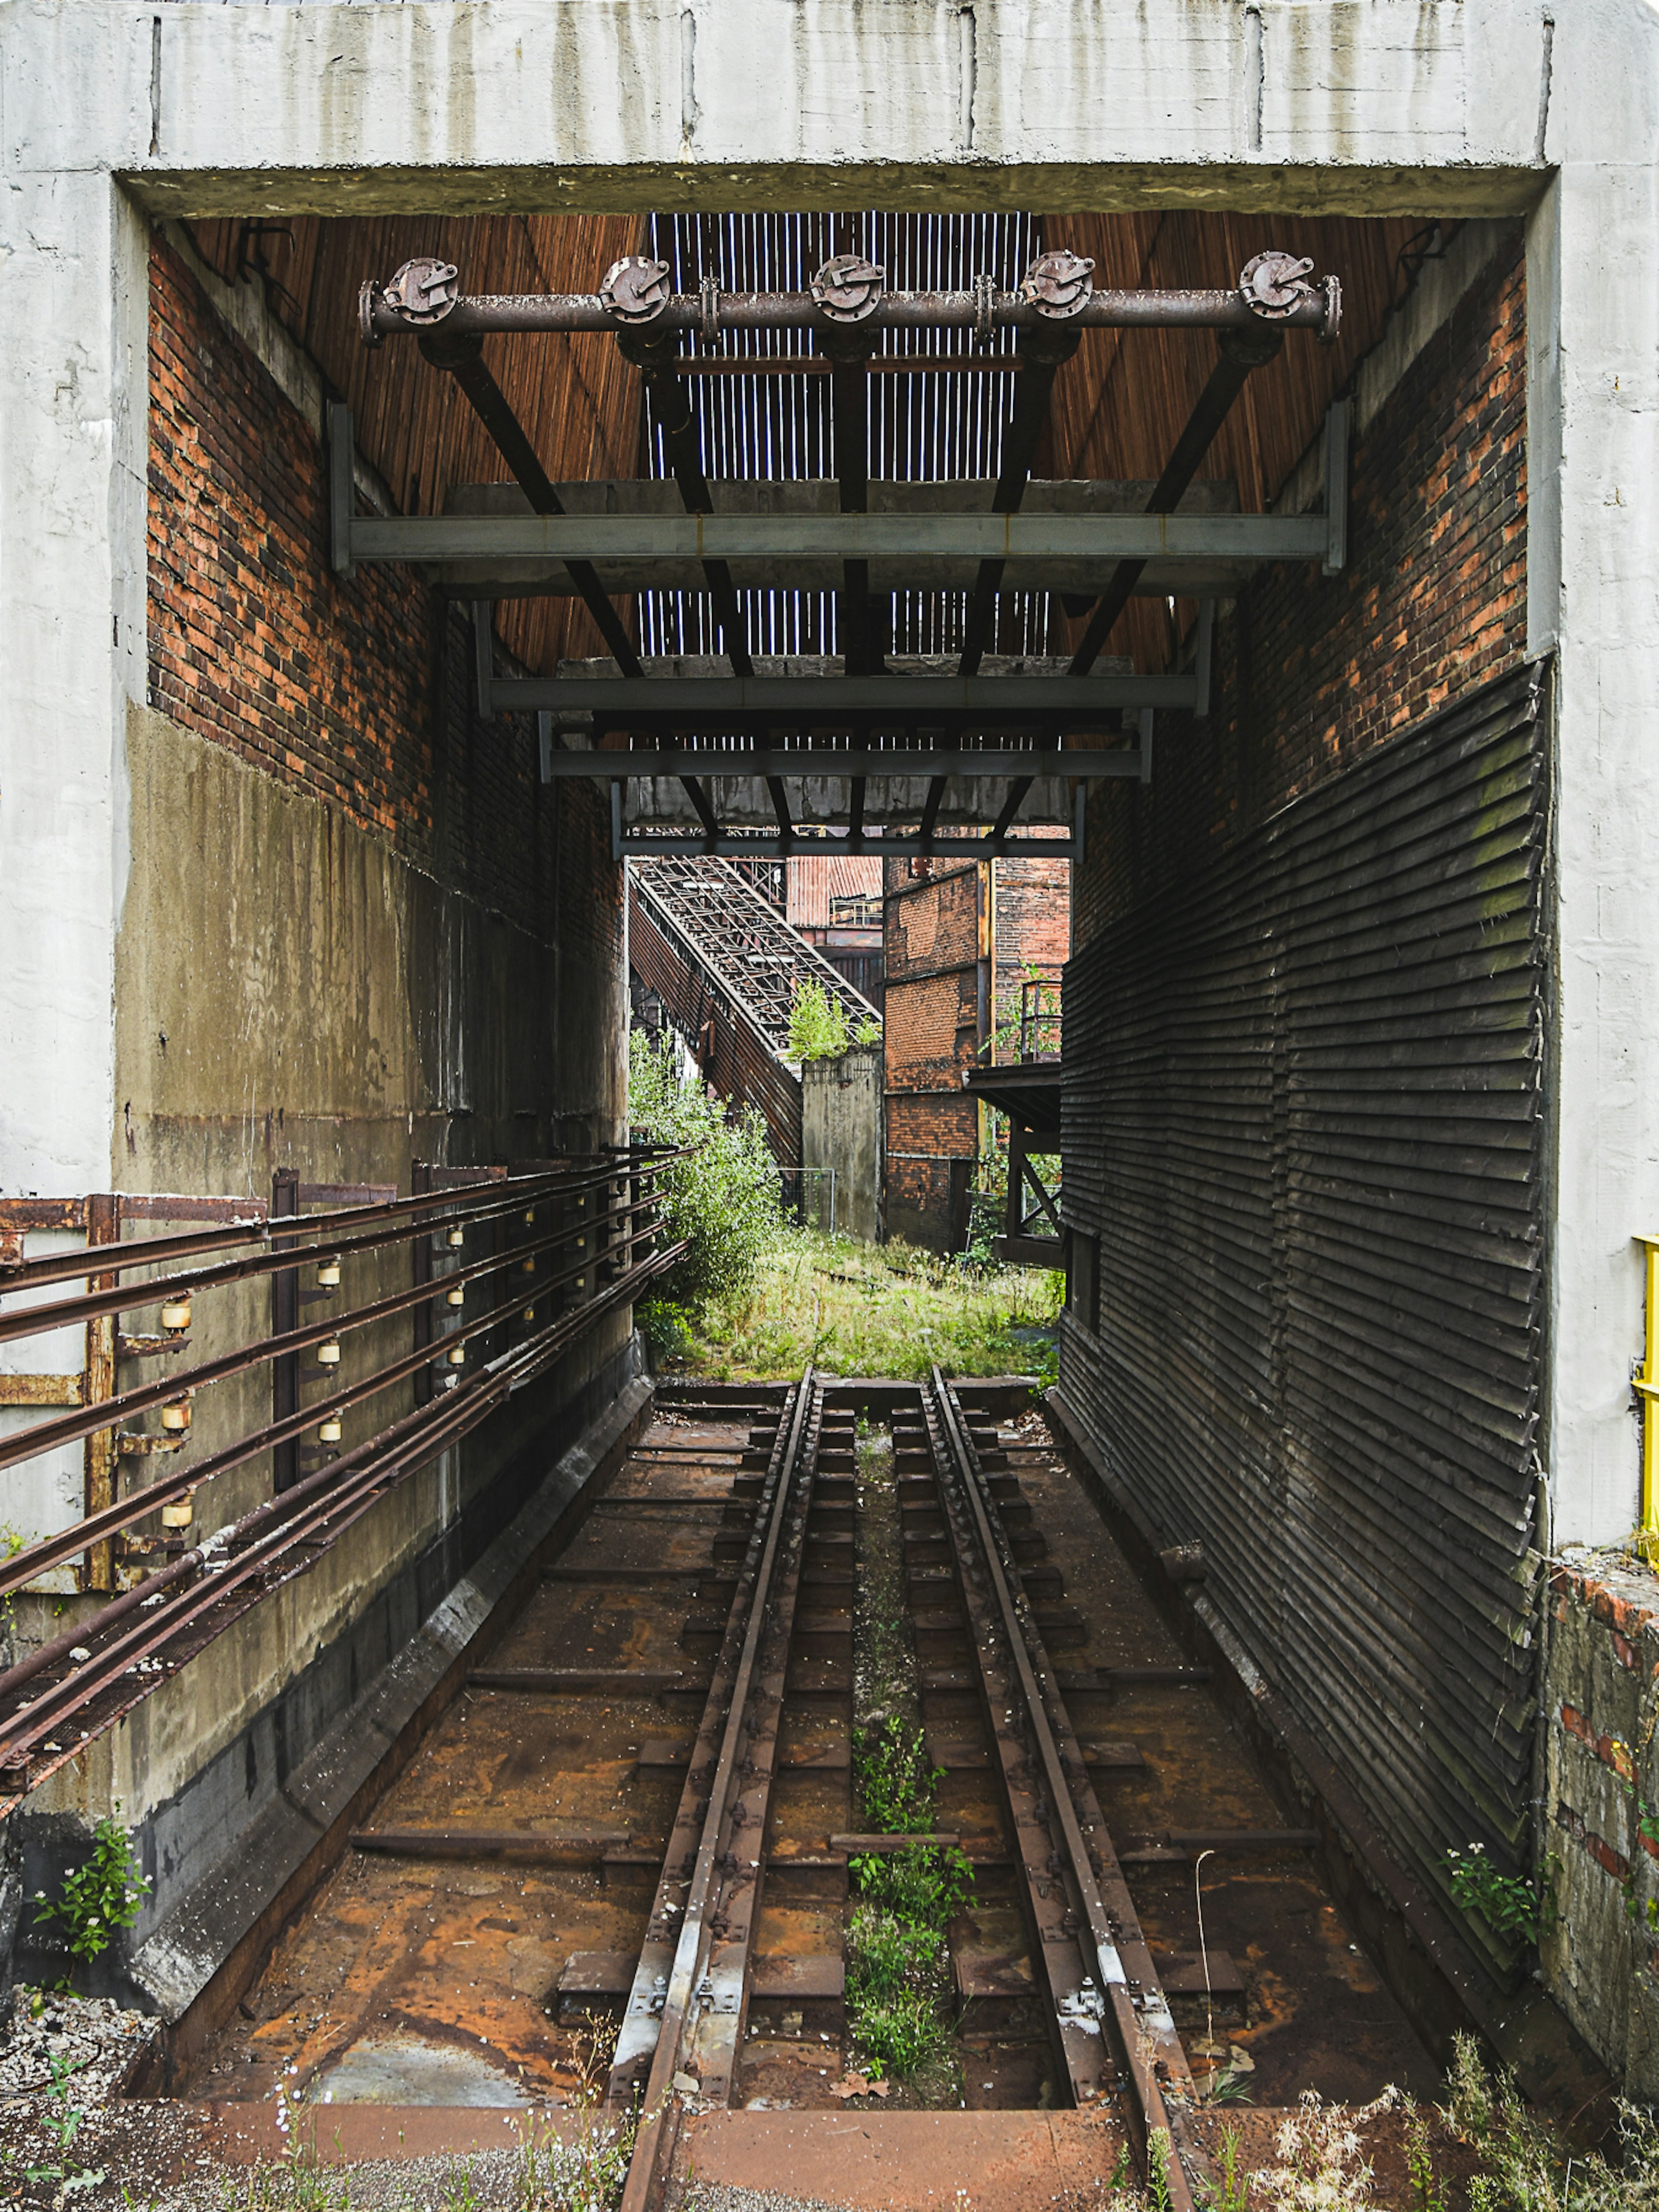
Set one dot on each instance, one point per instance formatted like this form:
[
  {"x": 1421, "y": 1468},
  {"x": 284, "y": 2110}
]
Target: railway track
[{"x": 639, "y": 1822}]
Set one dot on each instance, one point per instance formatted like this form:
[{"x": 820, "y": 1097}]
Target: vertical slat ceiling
[
  {"x": 1302, "y": 1114},
  {"x": 773, "y": 425}
]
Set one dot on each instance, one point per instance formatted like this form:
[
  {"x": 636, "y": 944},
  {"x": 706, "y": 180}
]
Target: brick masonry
[
  {"x": 1600, "y": 1850},
  {"x": 355, "y": 692},
  {"x": 1313, "y": 671},
  {"x": 932, "y": 925}
]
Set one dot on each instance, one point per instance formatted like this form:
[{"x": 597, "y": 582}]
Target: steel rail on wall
[{"x": 568, "y": 1243}]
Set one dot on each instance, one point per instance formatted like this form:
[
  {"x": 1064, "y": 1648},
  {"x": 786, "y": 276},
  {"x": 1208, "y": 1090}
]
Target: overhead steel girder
[
  {"x": 1073, "y": 703},
  {"x": 784, "y": 540},
  {"x": 600, "y": 766}
]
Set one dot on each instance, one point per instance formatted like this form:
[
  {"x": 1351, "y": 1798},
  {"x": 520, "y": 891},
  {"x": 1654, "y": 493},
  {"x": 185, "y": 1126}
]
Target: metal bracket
[
  {"x": 483, "y": 648},
  {"x": 1201, "y": 659},
  {"x": 342, "y": 489},
  {"x": 1337, "y": 428}
]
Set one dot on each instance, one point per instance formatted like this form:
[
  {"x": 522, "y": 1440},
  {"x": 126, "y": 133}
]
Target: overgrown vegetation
[
  {"x": 99, "y": 1899},
  {"x": 875, "y": 1310},
  {"x": 898, "y": 1964},
  {"x": 721, "y": 1194},
  {"x": 819, "y": 1028},
  {"x": 1522, "y": 2161}
]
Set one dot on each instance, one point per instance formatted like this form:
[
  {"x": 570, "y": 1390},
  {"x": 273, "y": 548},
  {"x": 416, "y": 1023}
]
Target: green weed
[
  {"x": 104, "y": 1895},
  {"x": 900, "y": 2032},
  {"x": 922, "y": 1886},
  {"x": 896, "y": 1778},
  {"x": 1507, "y": 1903}
]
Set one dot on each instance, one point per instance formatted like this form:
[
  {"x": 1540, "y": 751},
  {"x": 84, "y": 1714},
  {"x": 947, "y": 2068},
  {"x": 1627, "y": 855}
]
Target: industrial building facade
[{"x": 1359, "y": 1067}]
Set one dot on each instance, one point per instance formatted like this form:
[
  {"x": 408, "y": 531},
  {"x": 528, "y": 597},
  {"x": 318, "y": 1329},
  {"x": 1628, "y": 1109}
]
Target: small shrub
[
  {"x": 896, "y": 1778},
  {"x": 104, "y": 1895},
  {"x": 818, "y": 1027},
  {"x": 923, "y": 1888},
  {"x": 722, "y": 1194},
  {"x": 666, "y": 1329}
]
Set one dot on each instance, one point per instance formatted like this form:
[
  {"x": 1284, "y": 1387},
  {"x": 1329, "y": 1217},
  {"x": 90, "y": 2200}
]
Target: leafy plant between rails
[
  {"x": 104, "y": 1894},
  {"x": 897, "y": 1959}
]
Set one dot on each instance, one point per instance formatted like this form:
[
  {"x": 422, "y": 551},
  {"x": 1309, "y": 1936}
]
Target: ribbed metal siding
[{"x": 1302, "y": 1113}]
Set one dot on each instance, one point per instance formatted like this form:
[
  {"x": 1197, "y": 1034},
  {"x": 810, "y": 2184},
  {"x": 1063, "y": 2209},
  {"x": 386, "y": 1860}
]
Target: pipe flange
[
  {"x": 1331, "y": 328},
  {"x": 1059, "y": 285},
  {"x": 368, "y": 295},
  {"x": 708, "y": 302},
  {"x": 985, "y": 302},
  {"x": 1275, "y": 285},
  {"x": 422, "y": 292},
  {"x": 635, "y": 290},
  {"x": 848, "y": 288}
]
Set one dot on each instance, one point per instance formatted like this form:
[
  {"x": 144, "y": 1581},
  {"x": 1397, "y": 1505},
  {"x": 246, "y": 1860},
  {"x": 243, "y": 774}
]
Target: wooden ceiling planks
[
  {"x": 578, "y": 401},
  {"x": 1118, "y": 406},
  {"x": 1120, "y": 403}
]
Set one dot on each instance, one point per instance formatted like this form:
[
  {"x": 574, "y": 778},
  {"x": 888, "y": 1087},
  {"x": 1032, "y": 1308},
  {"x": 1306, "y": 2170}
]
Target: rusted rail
[
  {"x": 1108, "y": 2019},
  {"x": 688, "y": 1999}
]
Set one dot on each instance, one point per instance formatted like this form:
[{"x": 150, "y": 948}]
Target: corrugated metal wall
[{"x": 1303, "y": 1116}]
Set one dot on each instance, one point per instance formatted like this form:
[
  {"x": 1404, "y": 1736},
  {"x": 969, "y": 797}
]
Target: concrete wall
[
  {"x": 303, "y": 912},
  {"x": 841, "y": 1116}
]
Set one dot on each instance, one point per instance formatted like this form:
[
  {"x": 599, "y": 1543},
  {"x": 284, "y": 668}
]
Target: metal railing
[
  {"x": 506, "y": 1269},
  {"x": 1039, "y": 1018}
]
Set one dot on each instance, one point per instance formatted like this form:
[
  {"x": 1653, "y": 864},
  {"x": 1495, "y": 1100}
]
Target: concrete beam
[{"x": 469, "y": 107}]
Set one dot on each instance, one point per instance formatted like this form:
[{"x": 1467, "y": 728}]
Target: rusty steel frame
[
  {"x": 30, "y": 1319},
  {"x": 246, "y": 1561},
  {"x": 250, "y": 1224},
  {"x": 676, "y": 418},
  {"x": 1105, "y": 2001},
  {"x": 36, "y": 1558},
  {"x": 674, "y": 1990}
]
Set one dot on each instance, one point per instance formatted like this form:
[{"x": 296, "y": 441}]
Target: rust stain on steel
[
  {"x": 1083, "y": 1919},
  {"x": 668, "y": 1983},
  {"x": 465, "y": 1954}
]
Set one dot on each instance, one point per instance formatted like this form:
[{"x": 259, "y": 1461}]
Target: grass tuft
[{"x": 874, "y": 1309}]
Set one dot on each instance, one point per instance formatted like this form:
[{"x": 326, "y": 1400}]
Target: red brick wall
[
  {"x": 357, "y": 692},
  {"x": 932, "y": 935},
  {"x": 1033, "y": 931},
  {"x": 1312, "y": 670}
]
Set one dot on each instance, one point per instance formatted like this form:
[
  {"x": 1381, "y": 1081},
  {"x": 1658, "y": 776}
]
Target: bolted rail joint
[{"x": 1275, "y": 288}]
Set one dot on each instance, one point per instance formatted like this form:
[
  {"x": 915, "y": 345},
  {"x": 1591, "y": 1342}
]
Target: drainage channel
[{"x": 615, "y": 1877}]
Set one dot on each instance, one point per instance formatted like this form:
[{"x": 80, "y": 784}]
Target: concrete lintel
[
  {"x": 478, "y": 106},
  {"x": 1069, "y": 188}
]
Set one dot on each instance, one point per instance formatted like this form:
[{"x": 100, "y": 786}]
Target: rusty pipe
[{"x": 1319, "y": 310}]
